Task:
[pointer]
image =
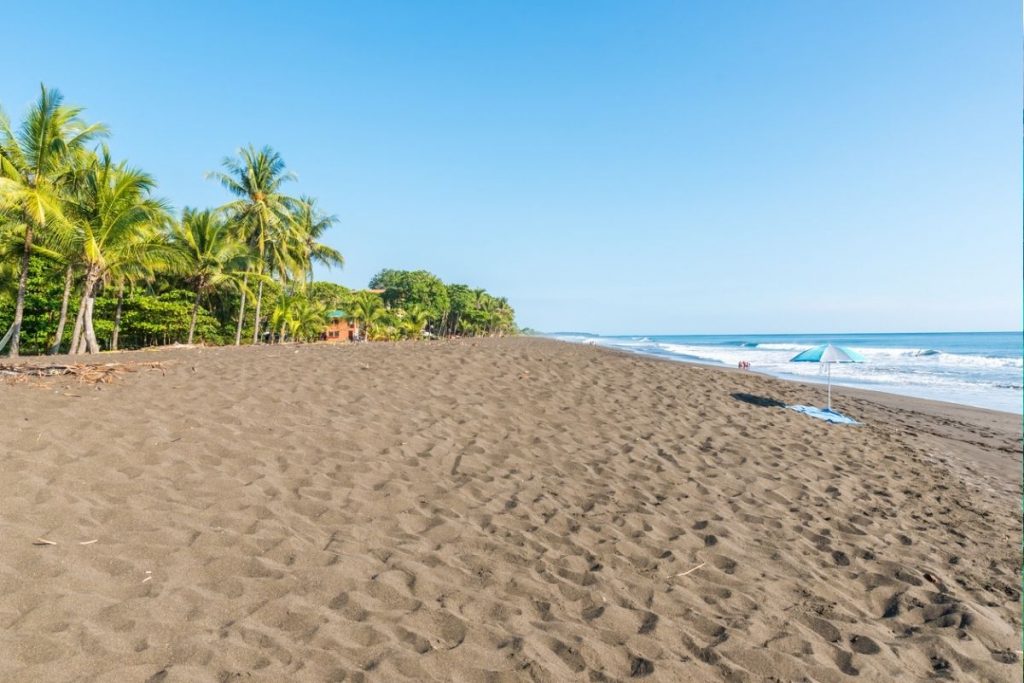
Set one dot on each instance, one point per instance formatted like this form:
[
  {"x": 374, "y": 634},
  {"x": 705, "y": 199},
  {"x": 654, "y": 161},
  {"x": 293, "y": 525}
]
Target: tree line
[{"x": 92, "y": 258}]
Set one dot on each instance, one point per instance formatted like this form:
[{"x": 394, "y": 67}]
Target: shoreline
[
  {"x": 495, "y": 509},
  {"x": 784, "y": 378}
]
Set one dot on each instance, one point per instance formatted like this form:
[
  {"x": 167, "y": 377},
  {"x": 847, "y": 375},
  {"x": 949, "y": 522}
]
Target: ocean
[{"x": 982, "y": 369}]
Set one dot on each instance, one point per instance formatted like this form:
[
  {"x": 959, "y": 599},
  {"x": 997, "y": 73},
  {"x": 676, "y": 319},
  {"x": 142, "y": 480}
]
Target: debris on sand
[{"x": 91, "y": 373}]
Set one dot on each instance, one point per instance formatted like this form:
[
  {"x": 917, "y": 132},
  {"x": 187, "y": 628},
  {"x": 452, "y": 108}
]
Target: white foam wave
[{"x": 981, "y": 361}]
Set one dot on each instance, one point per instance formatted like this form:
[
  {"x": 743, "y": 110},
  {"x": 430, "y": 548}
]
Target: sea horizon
[{"x": 976, "y": 368}]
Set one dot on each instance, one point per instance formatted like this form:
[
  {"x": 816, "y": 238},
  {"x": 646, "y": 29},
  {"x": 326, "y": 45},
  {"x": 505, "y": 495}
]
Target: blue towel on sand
[{"x": 824, "y": 414}]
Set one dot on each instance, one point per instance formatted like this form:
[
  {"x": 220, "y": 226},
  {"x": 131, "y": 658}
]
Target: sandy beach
[{"x": 497, "y": 510}]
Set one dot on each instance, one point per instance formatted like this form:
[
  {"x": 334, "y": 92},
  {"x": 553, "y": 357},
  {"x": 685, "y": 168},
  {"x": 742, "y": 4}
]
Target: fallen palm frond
[{"x": 92, "y": 373}]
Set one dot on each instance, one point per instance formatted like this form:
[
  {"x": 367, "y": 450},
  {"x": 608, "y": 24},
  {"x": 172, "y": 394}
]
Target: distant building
[{"x": 340, "y": 328}]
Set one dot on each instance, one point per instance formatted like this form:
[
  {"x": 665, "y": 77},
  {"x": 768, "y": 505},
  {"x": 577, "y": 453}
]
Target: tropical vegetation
[{"x": 92, "y": 257}]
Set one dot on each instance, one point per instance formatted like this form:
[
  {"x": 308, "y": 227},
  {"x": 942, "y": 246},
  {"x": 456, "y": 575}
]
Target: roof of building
[{"x": 336, "y": 313}]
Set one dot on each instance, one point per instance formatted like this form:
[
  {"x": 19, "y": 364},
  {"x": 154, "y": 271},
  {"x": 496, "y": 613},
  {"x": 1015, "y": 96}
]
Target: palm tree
[
  {"x": 10, "y": 249},
  {"x": 32, "y": 161},
  {"x": 209, "y": 253},
  {"x": 307, "y": 319},
  {"x": 298, "y": 316},
  {"x": 281, "y": 314},
  {"x": 116, "y": 228},
  {"x": 504, "y": 316},
  {"x": 366, "y": 310},
  {"x": 312, "y": 224},
  {"x": 263, "y": 215},
  {"x": 415, "y": 321},
  {"x": 56, "y": 255}
]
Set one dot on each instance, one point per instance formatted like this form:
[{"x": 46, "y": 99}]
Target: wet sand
[{"x": 493, "y": 510}]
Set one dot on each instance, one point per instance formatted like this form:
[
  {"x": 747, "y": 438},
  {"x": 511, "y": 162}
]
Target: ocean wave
[
  {"x": 706, "y": 354},
  {"x": 729, "y": 354},
  {"x": 983, "y": 361},
  {"x": 898, "y": 366},
  {"x": 572, "y": 336}
]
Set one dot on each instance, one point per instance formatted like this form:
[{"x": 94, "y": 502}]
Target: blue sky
[{"x": 630, "y": 167}]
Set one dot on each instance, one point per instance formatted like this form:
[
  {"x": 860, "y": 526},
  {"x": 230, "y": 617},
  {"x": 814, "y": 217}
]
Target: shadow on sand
[{"x": 762, "y": 401}]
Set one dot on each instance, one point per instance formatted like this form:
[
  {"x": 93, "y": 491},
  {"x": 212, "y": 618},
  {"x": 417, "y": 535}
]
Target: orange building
[{"x": 340, "y": 328}]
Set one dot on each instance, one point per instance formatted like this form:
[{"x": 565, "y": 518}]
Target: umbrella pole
[{"x": 830, "y": 387}]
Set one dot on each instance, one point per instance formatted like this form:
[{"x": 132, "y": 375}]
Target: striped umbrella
[{"x": 828, "y": 354}]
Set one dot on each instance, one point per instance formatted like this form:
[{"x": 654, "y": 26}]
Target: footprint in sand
[{"x": 863, "y": 645}]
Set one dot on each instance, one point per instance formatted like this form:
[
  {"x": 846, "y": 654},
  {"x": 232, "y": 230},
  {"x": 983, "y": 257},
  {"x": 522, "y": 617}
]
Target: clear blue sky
[{"x": 648, "y": 167}]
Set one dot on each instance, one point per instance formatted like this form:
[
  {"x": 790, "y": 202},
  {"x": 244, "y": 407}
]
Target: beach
[{"x": 496, "y": 510}]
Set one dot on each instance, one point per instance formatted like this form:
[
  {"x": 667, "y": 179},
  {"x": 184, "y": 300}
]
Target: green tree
[
  {"x": 366, "y": 310},
  {"x": 307, "y": 320},
  {"x": 154, "y": 319},
  {"x": 298, "y": 316},
  {"x": 41, "y": 304},
  {"x": 414, "y": 322},
  {"x": 312, "y": 224},
  {"x": 406, "y": 288},
  {"x": 263, "y": 214},
  {"x": 115, "y": 227},
  {"x": 210, "y": 255},
  {"x": 33, "y": 161},
  {"x": 461, "y": 305},
  {"x": 331, "y": 295}
]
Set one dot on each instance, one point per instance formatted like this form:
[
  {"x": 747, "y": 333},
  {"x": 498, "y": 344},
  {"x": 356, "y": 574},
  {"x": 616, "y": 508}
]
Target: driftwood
[
  {"x": 690, "y": 571},
  {"x": 91, "y": 373}
]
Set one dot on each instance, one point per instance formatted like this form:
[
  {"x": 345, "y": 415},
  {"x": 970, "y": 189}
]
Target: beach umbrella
[{"x": 828, "y": 354}]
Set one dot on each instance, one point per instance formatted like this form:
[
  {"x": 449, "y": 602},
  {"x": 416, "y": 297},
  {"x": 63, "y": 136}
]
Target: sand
[{"x": 497, "y": 510}]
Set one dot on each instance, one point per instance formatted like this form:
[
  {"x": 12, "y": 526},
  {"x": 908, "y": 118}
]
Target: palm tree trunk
[
  {"x": 19, "y": 306},
  {"x": 195, "y": 312},
  {"x": 117, "y": 317},
  {"x": 68, "y": 281},
  {"x": 7, "y": 337},
  {"x": 76, "y": 334},
  {"x": 241, "y": 311},
  {"x": 280, "y": 339},
  {"x": 256, "y": 324},
  {"x": 92, "y": 345}
]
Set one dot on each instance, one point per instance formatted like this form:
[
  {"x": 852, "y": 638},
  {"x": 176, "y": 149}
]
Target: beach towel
[{"x": 824, "y": 414}]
